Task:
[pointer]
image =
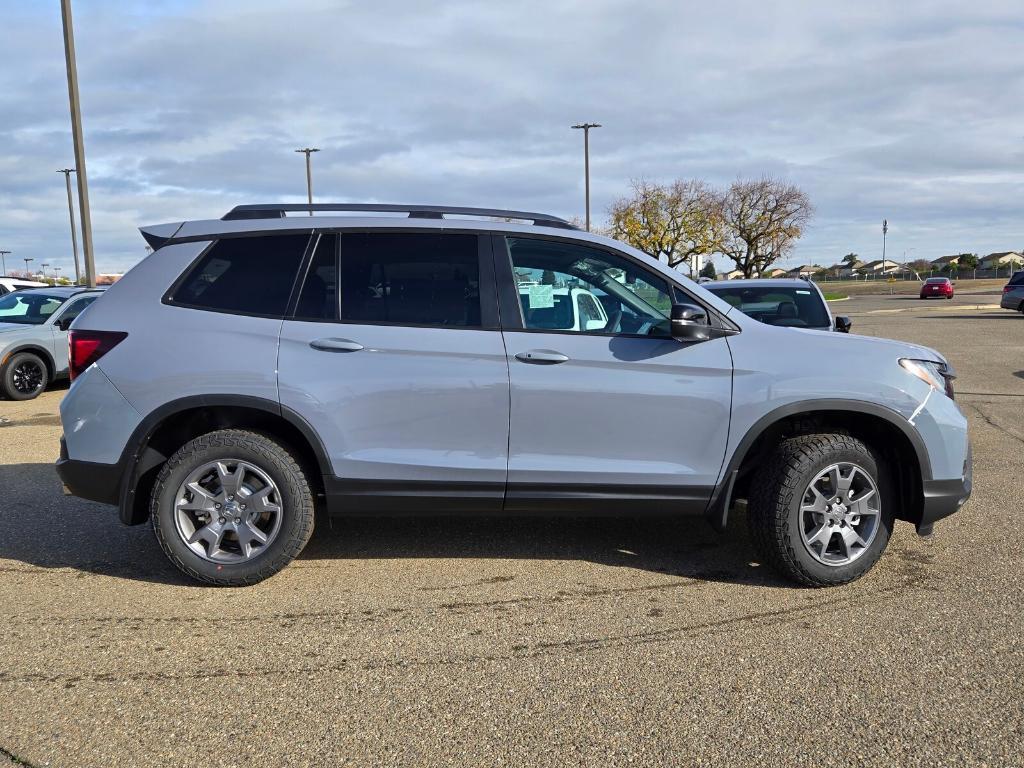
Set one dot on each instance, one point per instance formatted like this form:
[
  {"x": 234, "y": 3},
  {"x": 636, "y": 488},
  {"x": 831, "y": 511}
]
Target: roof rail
[{"x": 278, "y": 210}]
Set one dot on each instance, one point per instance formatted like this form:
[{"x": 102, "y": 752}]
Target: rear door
[
  {"x": 621, "y": 417},
  {"x": 394, "y": 355}
]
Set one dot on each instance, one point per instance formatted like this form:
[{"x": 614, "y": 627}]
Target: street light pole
[
  {"x": 27, "y": 273},
  {"x": 76, "y": 135},
  {"x": 71, "y": 214},
  {"x": 885, "y": 230},
  {"x": 3, "y": 263},
  {"x": 43, "y": 268},
  {"x": 586, "y": 161},
  {"x": 307, "y": 151}
]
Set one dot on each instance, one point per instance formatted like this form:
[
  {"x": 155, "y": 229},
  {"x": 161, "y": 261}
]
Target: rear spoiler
[{"x": 157, "y": 235}]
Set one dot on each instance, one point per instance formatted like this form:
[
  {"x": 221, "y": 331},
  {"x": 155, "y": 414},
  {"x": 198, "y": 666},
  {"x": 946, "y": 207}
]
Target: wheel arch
[
  {"x": 173, "y": 424},
  {"x": 885, "y": 430},
  {"x": 35, "y": 349}
]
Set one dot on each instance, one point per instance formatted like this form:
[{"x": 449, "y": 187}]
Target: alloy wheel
[
  {"x": 228, "y": 511},
  {"x": 27, "y": 377},
  {"x": 840, "y": 513}
]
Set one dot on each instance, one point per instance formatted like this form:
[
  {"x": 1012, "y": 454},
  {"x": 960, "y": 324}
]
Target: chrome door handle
[
  {"x": 542, "y": 357},
  {"x": 336, "y": 345}
]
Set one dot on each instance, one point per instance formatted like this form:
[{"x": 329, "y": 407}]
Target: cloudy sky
[{"x": 911, "y": 111}]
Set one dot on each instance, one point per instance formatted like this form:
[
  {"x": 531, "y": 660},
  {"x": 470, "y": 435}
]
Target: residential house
[
  {"x": 732, "y": 274},
  {"x": 804, "y": 270},
  {"x": 1002, "y": 259},
  {"x": 943, "y": 261},
  {"x": 775, "y": 272},
  {"x": 881, "y": 267}
]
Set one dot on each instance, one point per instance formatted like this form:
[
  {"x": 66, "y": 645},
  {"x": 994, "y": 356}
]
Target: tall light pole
[
  {"x": 885, "y": 231},
  {"x": 307, "y": 151},
  {"x": 71, "y": 214},
  {"x": 586, "y": 161},
  {"x": 3, "y": 263},
  {"x": 76, "y": 135},
  {"x": 27, "y": 273},
  {"x": 43, "y": 268}
]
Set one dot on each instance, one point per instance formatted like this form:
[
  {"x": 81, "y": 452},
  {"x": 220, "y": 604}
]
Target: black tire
[
  {"x": 24, "y": 377},
  {"x": 773, "y": 510},
  {"x": 297, "y": 507}
]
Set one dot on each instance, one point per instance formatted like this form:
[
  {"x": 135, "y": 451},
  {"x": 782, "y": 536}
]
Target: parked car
[
  {"x": 1013, "y": 293},
  {"x": 12, "y": 284},
  {"x": 258, "y": 367},
  {"x": 786, "y": 302},
  {"x": 937, "y": 287},
  {"x": 34, "y": 337}
]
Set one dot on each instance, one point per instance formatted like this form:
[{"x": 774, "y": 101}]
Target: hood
[{"x": 897, "y": 348}]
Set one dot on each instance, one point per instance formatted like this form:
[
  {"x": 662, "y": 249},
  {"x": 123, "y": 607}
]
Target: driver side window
[{"x": 572, "y": 288}]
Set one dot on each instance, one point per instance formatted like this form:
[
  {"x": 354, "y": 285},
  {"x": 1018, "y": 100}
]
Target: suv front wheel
[
  {"x": 820, "y": 509},
  {"x": 232, "y": 508}
]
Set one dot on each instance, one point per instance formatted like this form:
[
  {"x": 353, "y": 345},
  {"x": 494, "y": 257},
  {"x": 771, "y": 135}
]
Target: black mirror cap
[
  {"x": 843, "y": 323},
  {"x": 690, "y": 323}
]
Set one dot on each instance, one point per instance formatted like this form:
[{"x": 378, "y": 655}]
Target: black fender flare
[
  {"x": 138, "y": 456},
  {"x": 718, "y": 507}
]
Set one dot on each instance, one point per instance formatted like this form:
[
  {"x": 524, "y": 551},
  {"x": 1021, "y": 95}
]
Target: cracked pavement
[{"x": 515, "y": 642}]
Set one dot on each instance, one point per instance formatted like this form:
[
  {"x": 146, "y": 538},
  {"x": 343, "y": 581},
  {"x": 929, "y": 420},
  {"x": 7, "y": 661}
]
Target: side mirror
[
  {"x": 64, "y": 323},
  {"x": 690, "y": 323},
  {"x": 843, "y": 323}
]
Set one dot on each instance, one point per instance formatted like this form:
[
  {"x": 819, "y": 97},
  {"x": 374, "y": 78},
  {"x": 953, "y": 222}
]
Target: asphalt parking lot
[{"x": 511, "y": 642}]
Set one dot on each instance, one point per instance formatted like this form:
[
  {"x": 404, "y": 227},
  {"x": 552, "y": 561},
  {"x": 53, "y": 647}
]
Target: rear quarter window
[{"x": 244, "y": 275}]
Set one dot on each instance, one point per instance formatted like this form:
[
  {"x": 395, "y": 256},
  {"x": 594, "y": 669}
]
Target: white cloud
[{"x": 913, "y": 113}]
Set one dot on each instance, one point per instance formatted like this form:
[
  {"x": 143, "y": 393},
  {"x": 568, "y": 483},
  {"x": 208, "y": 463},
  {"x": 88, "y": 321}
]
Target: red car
[{"x": 941, "y": 287}]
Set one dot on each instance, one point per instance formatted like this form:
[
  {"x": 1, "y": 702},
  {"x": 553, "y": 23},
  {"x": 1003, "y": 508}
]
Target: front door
[
  {"x": 393, "y": 355},
  {"x": 620, "y": 416}
]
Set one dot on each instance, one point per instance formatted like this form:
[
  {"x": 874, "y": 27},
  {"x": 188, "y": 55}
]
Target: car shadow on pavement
[{"x": 42, "y": 528}]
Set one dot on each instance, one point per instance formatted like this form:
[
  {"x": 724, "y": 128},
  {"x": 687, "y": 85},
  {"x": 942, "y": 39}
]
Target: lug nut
[
  {"x": 231, "y": 498},
  {"x": 216, "y": 506},
  {"x": 220, "y": 520},
  {"x": 238, "y": 520},
  {"x": 241, "y": 506}
]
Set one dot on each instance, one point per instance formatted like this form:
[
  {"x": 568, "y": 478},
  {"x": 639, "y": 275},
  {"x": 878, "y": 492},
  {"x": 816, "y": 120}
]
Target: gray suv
[
  {"x": 1013, "y": 293},
  {"x": 381, "y": 360}
]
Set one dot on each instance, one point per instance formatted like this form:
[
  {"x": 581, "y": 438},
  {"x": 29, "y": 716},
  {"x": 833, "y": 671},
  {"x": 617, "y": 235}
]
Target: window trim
[
  {"x": 68, "y": 303},
  {"x": 168, "y": 297},
  {"x": 489, "y": 312},
  {"x": 510, "y": 306}
]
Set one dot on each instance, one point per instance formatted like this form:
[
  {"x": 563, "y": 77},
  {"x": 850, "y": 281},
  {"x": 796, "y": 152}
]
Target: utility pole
[
  {"x": 76, "y": 135},
  {"x": 307, "y": 151},
  {"x": 586, "y": 161},
  {"x": 71, "y": 214},
  {"x": 3, "y": 263}
]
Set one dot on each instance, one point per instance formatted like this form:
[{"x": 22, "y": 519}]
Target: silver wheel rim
[
  {"x": 228, "y": 511},
  {"x": 839, "y": 514}
]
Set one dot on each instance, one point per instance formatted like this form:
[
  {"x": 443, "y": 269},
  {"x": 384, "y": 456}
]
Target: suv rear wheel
[
  {"x": 232, "y": 508},
  {"x": 820, "y": 509},
  {"x": 24, "y": 377}
]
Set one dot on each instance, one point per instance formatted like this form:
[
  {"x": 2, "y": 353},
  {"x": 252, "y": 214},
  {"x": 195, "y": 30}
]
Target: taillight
[
  {"x": 86, "y": 347},
  {"x": 1006, "y": 288}
]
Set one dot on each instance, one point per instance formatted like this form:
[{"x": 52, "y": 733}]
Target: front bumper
[
  {"x": 89, "y": 479},
  {"x": 944, "y": 497}
]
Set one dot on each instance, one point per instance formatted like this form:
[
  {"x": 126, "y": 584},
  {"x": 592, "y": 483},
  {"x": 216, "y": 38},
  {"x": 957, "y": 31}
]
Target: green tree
[
  {"x": 850, "y": 259},
  {"x": 708, "y": 270},
  {"x": 672, "y": 222},
  {"x": 967, "y": 261}
]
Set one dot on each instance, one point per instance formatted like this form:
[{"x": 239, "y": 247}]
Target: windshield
[
  {"x": 28, "y": 308},
  {"x": 784, "y": 306},
  {"x": 937, "y": 280}
]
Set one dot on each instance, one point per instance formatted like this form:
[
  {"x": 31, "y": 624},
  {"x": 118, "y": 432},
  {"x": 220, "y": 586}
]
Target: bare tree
[
  {"x": 763, "y": 219},
  {"x": 673, "y": 222}
]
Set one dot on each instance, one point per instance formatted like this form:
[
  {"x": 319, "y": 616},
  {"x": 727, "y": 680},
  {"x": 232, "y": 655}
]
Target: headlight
[{"x": 936, "y": 375}]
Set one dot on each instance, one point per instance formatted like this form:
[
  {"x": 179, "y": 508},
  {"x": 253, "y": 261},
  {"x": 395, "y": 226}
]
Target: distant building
[
  {"x": 804, "y": 270},
  {"x": 732, "y": 274},
  {"x": 942, "y": 261},
  {"x": 881, "y": 267},
  {"x": 775, "y": 272},
  {"x": 1002, "y": 259},
  {"x": 108, "y": 279}
]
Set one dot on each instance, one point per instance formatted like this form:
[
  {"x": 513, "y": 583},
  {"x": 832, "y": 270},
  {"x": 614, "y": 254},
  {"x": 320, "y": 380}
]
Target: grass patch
[{"x": 829, "y": 296}]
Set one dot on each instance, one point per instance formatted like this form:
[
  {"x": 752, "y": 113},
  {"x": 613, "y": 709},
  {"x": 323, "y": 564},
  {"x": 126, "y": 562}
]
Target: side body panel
[{"x": 173, "y": 352}]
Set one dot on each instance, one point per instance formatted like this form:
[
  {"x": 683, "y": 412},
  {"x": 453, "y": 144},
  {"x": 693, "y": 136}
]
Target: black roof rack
[{"x": 278, "y": 210}]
